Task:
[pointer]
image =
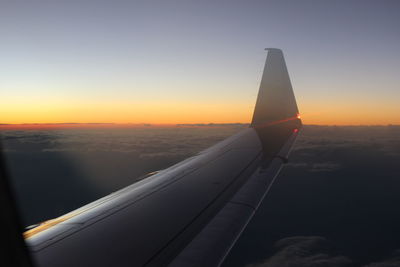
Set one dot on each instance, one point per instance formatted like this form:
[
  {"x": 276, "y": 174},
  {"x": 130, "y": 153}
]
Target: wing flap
[{"x": 213, "y": 243}]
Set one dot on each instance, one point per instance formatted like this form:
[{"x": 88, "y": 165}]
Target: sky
[{"x": 196, "y": 61}]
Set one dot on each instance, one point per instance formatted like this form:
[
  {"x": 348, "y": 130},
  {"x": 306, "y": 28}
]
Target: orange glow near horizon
[
  {"x": 184, "y": 115},
  {"x": 351, "y": 113},
  {"x": 123, "y": 113},
  {"x": 168, "y": 112}
]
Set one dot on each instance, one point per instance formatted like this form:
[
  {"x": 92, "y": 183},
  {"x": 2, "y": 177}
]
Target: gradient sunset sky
[{"x": 196, "y": 61}]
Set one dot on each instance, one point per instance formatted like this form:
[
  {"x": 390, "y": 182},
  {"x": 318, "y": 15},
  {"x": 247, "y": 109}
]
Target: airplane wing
[{"x": 190, "y": 214}]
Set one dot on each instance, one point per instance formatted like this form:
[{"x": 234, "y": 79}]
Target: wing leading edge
[{"x": 191, "y": 213}]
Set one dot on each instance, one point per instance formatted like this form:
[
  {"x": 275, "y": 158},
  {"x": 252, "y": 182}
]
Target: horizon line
[{"x": 74, "y": 125}]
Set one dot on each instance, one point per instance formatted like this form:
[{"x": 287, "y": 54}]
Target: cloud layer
[{"x": 334, "y": 204}]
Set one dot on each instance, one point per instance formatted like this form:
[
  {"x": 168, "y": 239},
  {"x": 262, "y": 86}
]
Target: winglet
[{"x": 275, "y": 101}]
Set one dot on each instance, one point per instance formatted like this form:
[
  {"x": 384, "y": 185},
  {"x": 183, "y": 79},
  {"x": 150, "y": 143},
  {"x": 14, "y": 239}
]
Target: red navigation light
[{"x": 295, "y": 130}]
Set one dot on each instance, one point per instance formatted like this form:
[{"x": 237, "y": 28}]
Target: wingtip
[
  {"x": 275, "y": 101},
  {"x": 273, "y": 49}
]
